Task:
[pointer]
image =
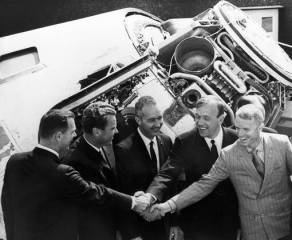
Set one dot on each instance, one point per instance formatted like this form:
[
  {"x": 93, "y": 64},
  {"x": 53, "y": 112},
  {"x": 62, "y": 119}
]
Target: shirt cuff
[
  {"x": 171, "y": 205},
  {"x": 152, "y": 197},
  {"x": 133, "y": 203}
]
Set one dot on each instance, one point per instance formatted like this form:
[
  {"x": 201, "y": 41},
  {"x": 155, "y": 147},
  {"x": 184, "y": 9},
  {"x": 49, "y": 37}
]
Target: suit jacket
[
  {"x": 216, "y": 216},
  {"x": 135, "y": 172},
  {"x": 39, "y": 194},
  {"x": 264, "y": 205},
  {"x": 94, "y": 222}
]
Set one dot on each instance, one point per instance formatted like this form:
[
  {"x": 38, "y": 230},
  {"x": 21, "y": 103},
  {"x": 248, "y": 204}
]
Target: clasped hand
[{"x": 145, "y": 208}]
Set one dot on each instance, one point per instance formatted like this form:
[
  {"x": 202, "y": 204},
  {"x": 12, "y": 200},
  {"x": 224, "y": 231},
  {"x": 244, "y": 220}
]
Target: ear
[
  {"x": 261, "y": 125},
  {"x": 96, "y": 132},
  {"x": 138, "y": 120},
  {"x": 58, "y": 136},
  {"x": 222, "y": 117}
]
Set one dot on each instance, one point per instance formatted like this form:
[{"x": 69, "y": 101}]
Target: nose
[
  {"x": 116, "y": 131},
  {"x": 200, "y": 121},
  {"x": 74, "y": 134},
  {"x": 240, "y": 132},
  {"x": 158, "y": 123}
]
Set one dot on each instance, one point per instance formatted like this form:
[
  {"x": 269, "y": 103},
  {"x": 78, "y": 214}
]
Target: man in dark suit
[
  {"x": 93, "y": 157},
  {"x": 194, "y": 153},
  {"x": 39, "y": 192},
  {"x": 139, "y": 157}
]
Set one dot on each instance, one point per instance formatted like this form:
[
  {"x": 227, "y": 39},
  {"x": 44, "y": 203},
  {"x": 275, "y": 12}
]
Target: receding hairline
[
  {"x": 143, "y": 102},
  {"x": 212, "y": 100}
]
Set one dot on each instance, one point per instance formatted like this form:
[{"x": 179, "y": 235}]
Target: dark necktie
[
  {"x": 153, "y": 157},
  {"x": 106, "y": 169},
  {"x": 214, "y": 152},
  {"x": 258, "y": 164}
]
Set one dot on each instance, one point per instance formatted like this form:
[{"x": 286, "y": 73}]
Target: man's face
[
  {"x": 248, "y": 131},
  {"x": 106, "y": 135},
  {"x": 67, "y": 136},
  {"x": 207, "y": 120},
  {"x": 150, "y": 120}
]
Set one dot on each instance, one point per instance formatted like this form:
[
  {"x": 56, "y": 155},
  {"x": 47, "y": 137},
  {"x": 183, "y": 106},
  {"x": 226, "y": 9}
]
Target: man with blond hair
[{"x": 259, "y": 165}]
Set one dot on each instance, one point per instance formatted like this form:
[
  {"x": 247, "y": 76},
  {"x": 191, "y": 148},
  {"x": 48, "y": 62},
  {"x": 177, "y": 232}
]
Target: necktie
[
  {"x": 214, "y": 152},
  {"x": 258, "y": 164},
  {"x": 106, "y": 169},
  {"x": 153, "y": 157}
]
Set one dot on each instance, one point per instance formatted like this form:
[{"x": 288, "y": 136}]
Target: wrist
[
  {"x": 151, "y": 197},
  {"x": 133, "y": 204},
  {"x": 171, "y": 205}
]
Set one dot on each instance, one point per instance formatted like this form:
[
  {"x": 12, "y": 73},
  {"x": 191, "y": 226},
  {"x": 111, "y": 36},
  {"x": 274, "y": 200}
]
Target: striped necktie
[{"x": 258, "y": 163}]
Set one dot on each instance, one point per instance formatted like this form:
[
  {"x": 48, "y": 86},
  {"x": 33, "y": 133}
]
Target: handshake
[{"x": 145, "y": 207}]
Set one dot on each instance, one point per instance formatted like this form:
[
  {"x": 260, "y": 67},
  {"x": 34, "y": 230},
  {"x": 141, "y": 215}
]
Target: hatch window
[{"x": 18, "y": 62}]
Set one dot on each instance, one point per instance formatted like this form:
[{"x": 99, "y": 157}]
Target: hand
[
  {"x": 175, "y": 233},
  {"x": 162, "y": 207},
  {"x": 147, "y": 197},
  {"x": 140, "y": 204},
  {"x": 151, "y": 216}
]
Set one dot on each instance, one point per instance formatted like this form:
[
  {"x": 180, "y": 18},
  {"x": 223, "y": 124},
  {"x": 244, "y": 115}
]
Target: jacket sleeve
[
  {"x": 200, "y": 189},
  {"x": 169, "y": 172},
  {"x": 7, "y": 211},
  {"x": 73, "y": 186},
  {"x": 288, "y": 149}
]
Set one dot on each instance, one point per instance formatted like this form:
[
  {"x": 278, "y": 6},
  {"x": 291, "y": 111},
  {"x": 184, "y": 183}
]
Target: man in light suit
[
  {"x": 137, "y": 164},
  {"x": 40, "y": 193},
  {"x": 216, "y": 216},
  {"x": 259, "y": 165}
]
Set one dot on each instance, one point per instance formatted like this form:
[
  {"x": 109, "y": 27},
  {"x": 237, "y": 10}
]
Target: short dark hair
[
  {"x": 54, "y": 120},
  {"x": 142, "y": 101},
  {"x": 221, "y": 105},
  {"x": 95, "y": 116}
]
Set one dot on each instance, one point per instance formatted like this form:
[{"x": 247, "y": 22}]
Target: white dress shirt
[{"x": 218, "y": 141}]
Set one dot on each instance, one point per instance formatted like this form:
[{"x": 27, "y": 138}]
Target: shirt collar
[
  {"x": 218, "y": 139},
  {"x": 94, "y": 147},
  {"x": 145, "y": 139},
  {"x": 47, "y": 149}
]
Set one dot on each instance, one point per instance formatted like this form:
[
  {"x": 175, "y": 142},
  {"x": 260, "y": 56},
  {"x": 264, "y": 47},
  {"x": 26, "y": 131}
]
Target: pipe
[{"x": 200, "y": 82}]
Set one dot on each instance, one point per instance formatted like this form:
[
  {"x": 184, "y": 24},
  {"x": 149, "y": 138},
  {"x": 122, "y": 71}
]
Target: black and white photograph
[{"x": 146, "y": 120}]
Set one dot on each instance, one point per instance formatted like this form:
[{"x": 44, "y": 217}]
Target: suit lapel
[
  {"x": 161, "y": 150},
  {"x": 95, "y": 161},
  {"x": 200, "y": 143},
  {"x": 245, "y": 159},
  {"x": 93, "y": 158},
  {"x": 108, "y": 150},
  {"x": 109, "y": 154},
  {"x": 269, "y": 163},
  {"x": 140, "y": 146}
]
